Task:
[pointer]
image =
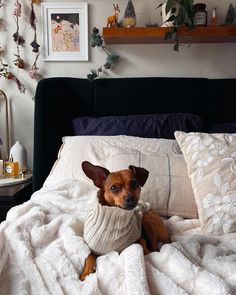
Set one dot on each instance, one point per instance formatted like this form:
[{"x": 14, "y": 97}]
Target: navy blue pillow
[
  {"x": 149, "y": 126},
  {"x": 220, "y": 128}
]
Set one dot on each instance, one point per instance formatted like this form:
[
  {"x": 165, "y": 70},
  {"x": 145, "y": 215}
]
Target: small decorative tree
[{"x": 230, "y": 16}]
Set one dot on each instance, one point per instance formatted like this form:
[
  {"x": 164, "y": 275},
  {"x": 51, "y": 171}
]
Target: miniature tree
[{"x": 230, "y": 16}]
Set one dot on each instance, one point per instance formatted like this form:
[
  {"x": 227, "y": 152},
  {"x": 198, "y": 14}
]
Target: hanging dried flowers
[
  {"x": 19, "y": 40},
  {"x": 17, "y": 10},
  {"x": 4, "y": 72},
  {"x": 34, "y": 44},
  {"x": 34, "y": 69},
  {"x": 2, "y": 2},
  {"x": 19, "y": 62}
]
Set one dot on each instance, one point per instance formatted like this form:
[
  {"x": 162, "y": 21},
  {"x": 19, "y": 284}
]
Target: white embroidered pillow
[{"x": 211, "y": 162}]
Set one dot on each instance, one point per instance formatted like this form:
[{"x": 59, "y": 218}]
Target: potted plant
[{"x": 181, "y": 14}]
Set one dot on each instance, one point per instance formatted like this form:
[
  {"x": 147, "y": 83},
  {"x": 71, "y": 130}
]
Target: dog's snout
[{"x": 130, "y": 202}]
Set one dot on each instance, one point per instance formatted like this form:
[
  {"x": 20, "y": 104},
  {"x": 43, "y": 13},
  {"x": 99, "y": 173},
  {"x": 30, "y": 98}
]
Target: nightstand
[{"x": 12, "y": 195}]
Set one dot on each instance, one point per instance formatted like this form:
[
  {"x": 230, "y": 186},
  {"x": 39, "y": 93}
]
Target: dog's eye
[
  {"x": 114, "y": 188},
  {"x": 134, "y": 183}
]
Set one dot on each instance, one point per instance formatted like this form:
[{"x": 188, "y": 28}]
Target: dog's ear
[
  {"x": 98, "y": 174},
  {"x": 140, "y": 173}
]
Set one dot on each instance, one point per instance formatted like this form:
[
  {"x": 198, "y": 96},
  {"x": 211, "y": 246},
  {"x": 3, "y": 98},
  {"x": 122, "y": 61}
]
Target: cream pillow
[
  {"x": 211, "y": 162},
  {"x": 168, "y": 188}
]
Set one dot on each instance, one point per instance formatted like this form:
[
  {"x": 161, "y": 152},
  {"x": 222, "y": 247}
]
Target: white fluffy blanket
[{"x": 42, "y": 252}]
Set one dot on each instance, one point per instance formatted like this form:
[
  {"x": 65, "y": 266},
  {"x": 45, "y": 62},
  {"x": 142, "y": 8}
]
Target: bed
[{"x": 190, "y": 155}]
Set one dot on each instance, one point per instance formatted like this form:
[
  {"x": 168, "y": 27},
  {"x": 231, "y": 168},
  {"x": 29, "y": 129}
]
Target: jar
[{"x": 200, "y": 14}]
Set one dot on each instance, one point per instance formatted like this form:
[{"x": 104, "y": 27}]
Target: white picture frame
[{"x": 65, "y": 31}]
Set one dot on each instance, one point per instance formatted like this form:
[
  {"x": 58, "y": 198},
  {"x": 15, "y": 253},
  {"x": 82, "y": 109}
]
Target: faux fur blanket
[{"x": 42, "y": 251}]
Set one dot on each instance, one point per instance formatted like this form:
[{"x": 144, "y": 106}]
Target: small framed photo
[{"x": 65, "y": 31}]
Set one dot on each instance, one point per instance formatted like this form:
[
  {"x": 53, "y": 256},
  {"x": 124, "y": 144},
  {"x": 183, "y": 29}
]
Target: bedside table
[{"x": 12, "y": 195}]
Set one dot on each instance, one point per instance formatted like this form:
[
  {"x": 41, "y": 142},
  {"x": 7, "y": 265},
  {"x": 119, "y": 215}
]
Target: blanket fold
[{"x": 42, "y": 251}]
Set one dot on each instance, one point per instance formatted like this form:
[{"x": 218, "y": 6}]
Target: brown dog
[{"x": 122, "y": 189}]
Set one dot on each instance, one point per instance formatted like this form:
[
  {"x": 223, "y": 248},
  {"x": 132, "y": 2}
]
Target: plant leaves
[
  {"x": 168, "y": 36},
  {"x": 169, "y": 5},
  {"x": 112, "y": 58},
  {"x": 176, "y": 47},
  {"x": 171, "y": 18},
  {"x": 159, "y": 5}
]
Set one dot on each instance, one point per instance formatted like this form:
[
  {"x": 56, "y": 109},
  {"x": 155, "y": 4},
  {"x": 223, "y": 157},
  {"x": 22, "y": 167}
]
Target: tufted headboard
[{"x": 58, "y": 100}]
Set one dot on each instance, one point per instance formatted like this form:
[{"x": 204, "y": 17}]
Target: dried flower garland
[
  {"x": 34, "y": 44},
  {"x": 4, "y": 72},
  {"x": 19, "y": 40},
  {"x": 2, "y": 2}
]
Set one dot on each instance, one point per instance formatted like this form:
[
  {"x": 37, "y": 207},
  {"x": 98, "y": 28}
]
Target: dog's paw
[{"x": 86, "y": 273}]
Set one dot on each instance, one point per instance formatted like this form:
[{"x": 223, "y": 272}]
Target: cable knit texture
[{"x": 112, "y": 228}]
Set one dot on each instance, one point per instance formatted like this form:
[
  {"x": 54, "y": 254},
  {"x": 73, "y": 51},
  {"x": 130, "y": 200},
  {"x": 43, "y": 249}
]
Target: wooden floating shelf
[{"x": 155, "y": 35}]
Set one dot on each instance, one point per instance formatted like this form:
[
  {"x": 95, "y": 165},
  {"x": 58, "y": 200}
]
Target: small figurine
[
  {"x": 129, "y": 19},
  {"x": 113, "y": 19}
]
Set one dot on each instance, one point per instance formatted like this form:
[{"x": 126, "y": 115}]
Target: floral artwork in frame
[{"x": 65, "y": 31}]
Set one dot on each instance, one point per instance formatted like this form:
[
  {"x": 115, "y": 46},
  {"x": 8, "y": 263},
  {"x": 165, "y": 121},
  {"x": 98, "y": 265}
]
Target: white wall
[{"x": 199, "y": 60}]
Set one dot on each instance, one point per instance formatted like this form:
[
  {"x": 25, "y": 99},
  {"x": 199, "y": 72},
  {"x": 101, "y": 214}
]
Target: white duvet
[{"x": 42, "y": 252}]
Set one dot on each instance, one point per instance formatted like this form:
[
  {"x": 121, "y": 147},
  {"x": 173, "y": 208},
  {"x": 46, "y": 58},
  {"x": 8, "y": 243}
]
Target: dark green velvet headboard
[{"x": 59, "y": 100}]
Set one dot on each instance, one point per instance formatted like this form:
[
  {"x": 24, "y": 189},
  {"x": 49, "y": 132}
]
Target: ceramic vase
[{"x": 19, "y": 154}]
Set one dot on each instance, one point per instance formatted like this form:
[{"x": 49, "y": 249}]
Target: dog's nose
[{"x": 130, "y": 202}]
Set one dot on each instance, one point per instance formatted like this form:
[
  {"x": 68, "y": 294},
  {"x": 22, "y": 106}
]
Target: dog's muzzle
[{"x": 130, "y": 202}]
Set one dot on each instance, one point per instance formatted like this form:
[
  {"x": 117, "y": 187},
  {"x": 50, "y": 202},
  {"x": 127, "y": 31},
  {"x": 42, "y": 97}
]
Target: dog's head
[{"x": 121, "y": 188}]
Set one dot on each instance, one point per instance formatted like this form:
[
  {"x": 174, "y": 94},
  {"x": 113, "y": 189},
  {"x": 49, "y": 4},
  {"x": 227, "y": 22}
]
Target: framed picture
[{"x": 65, "y": 31}]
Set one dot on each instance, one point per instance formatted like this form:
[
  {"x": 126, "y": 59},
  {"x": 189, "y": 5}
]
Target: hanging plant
[
  {"x": 98, "y": 41},
  {"x": 181, "y": 14}
]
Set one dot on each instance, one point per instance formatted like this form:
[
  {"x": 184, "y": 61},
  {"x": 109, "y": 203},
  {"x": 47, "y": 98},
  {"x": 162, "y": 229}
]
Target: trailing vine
[{"x": 98, "y": 41}]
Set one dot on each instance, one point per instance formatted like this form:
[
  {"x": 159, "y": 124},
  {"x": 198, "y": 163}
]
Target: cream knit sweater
[{"x": 112, "y": 228}]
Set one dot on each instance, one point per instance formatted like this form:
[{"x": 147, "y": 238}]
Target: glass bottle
[
  {"x": 214, "y": 17},
  {"x": 11, "y": 168}
]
